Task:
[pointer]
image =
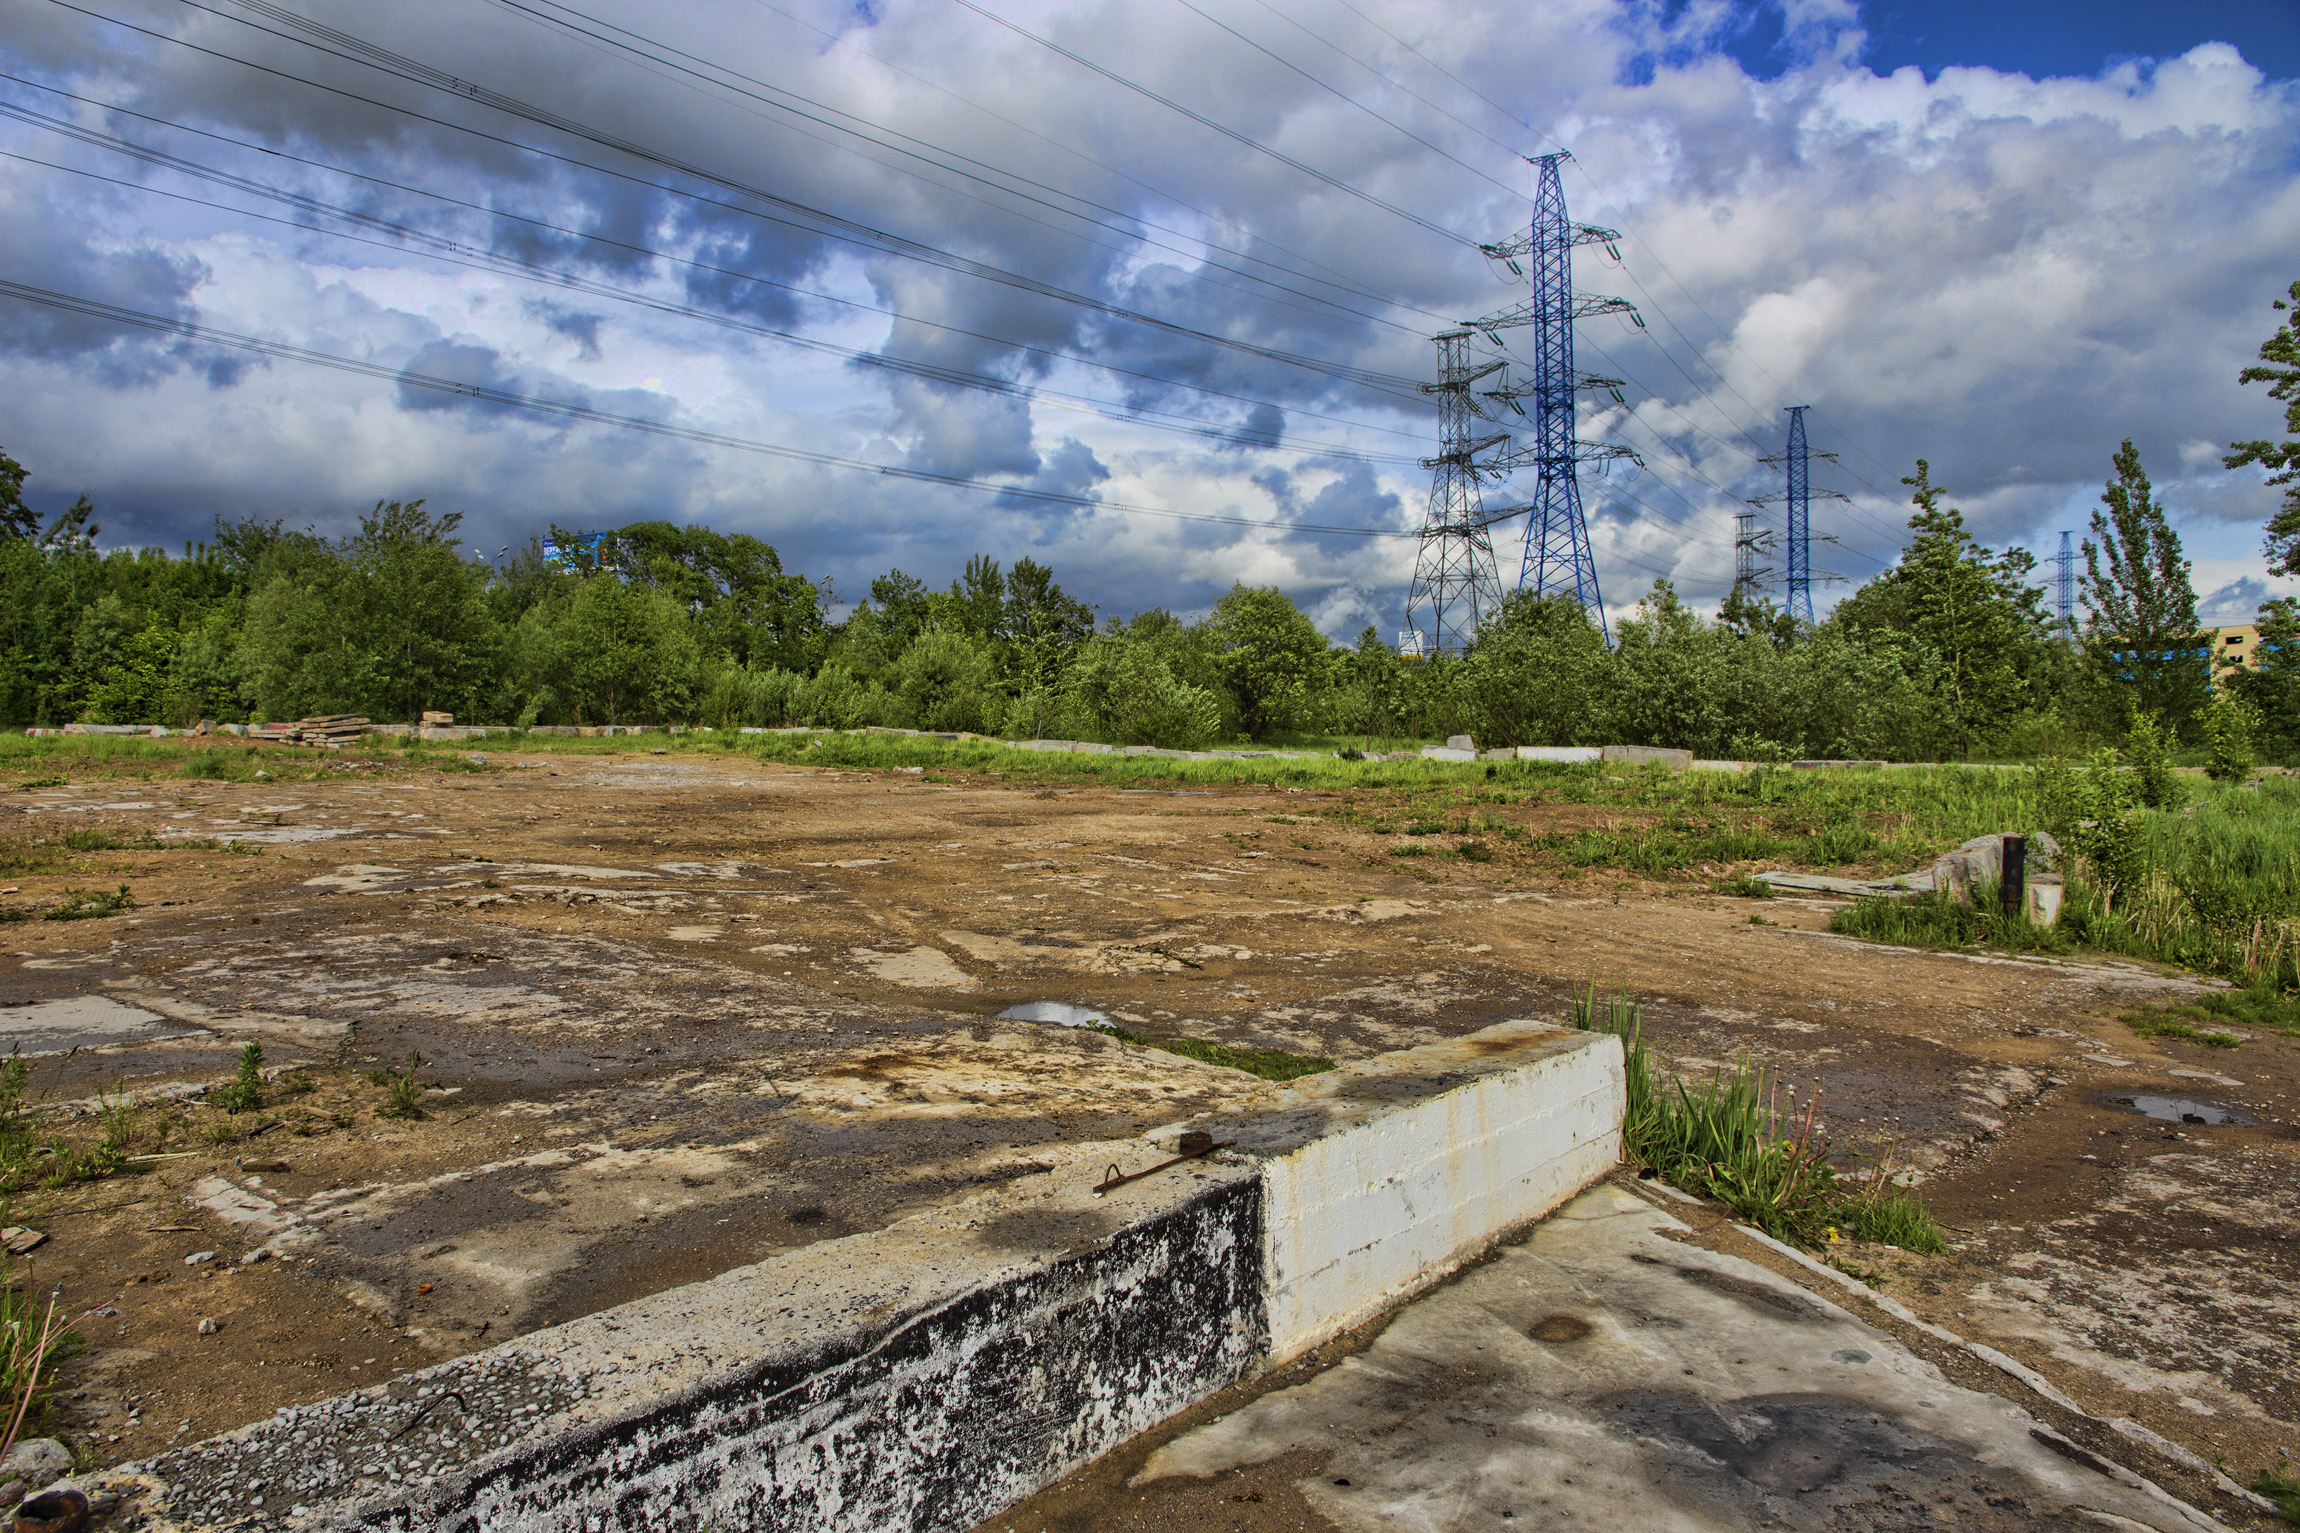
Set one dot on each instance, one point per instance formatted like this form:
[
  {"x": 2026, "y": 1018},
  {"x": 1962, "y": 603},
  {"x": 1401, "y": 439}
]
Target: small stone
[
  {"x": 209, "y": 1326},
  {"x": 39, "y": 1462},
  {"x": 198, "y": 1257},
  {"x": 19, "y": 1239},
  {"x": 259, "y": 1254}
]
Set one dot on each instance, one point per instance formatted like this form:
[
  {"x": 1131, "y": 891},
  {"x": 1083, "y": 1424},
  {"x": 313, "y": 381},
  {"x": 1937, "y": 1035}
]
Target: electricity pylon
[
  {"x": 1799, "y": 495},
  {"x": 1455, "y": 581},
  {"x": 1751, "y": 543},
  {"x": 2065, "y": 580},
  {"x": 1557, "y": 559}
]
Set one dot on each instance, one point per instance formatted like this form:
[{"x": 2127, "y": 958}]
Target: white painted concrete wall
[{"x": 1372, "y": 1211}]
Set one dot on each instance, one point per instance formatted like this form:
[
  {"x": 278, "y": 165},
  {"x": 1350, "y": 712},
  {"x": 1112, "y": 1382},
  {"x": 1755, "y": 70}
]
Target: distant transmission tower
[
  {"x": 1750, "y": 544},
  {"x": 1799, "y": 495},
  {"x": 2066, "y": 583},
  {"x": 1455, "y": 582}
]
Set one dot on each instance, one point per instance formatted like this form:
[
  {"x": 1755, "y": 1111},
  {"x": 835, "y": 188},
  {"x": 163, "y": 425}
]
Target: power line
[
  {"x": 126, "y": 146},
  {"x": 818, "y": 222},
  {"x": 707, "y": 71},
  {"x": 449, "y": 252},
  {"x": 117, "y": 314},
  {"x": 1115, "y": 78}
]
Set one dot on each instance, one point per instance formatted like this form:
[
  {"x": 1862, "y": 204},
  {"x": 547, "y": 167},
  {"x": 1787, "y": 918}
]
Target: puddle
[
  {"x": 2181, "y": 1110},
  {"x": 1062, "y": 1013},
  {"x": 81, "y": 1022}
]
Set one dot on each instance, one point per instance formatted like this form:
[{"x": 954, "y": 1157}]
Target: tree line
[{"x": 1953, "y": 652}]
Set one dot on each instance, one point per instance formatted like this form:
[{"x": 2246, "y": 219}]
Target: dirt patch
[{"x": 676, "y": 1017}]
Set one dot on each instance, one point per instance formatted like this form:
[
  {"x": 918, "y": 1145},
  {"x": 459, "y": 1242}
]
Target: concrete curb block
[{"x": 927, "y": 1375}]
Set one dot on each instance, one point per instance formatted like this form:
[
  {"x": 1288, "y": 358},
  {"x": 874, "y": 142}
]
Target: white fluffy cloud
[{"x": 2005, "y": 276}]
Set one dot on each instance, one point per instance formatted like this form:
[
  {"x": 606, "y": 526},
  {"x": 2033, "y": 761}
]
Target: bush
[{"x": 2230, "y": 726}]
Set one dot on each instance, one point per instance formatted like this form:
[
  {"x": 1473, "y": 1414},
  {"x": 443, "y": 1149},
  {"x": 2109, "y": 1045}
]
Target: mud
[{"x": 677, "y": 1013}]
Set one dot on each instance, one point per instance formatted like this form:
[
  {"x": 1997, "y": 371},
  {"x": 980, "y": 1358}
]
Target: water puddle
[
  {"x": 2181, "y": 1110},
  {"x": 1061, "y": 1013}
]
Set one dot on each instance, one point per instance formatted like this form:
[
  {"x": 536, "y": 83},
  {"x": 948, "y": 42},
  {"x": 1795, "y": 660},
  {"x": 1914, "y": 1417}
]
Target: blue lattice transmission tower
[
  {"x": 1455, "y": 580},
  {"x": 1798, "y": 493}
]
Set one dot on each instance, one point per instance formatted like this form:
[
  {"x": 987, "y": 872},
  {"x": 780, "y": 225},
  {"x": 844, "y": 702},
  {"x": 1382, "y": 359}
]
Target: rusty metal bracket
[{"x": 1195, "y": 1146}]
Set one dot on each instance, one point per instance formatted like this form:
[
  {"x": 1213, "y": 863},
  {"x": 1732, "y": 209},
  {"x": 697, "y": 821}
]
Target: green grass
[
  {"x": 2262, "y": 1008},
  {"x": 402, "y": 1093},
  {"x": 1732, "y": 1140},
  {"x": 2280, "y": 1486},
  {"x": 85, "y": 905},
  {"x": 1744, "y": 888},
  {"x": 1269, "y": 1064},
  {"x": 245, "y": 1091},
  {"x": 1938, "y": 920}
]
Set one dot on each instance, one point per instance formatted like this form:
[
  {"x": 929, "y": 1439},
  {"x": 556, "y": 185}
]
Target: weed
[
  {"x": 1744, "y": 888},
  {"x": 94, "y": 839},
  {"x": 222, "y": 1131},
  {"x": 1269, "y": 1064},
  {"x": 1731, "y": 1141},
  {"x": 1409, "y": 849},
  {"x": 402, "y": 1096},
  {"x": 20, "y": 856},
  {"x": 1476, "y": 851},
  {"x": 1896, "y": 1218},
  {"x": 1428, "y": 828},
  {"x": 34, "y": 1343},
  {"x": 2282, "y": 1487},
  {"x": 31, "y": 784},
  {"x": 245, "y": 1093},
  {"x": 222, "y": 765},
  {"x": 2154, "y": 1024},
  {"x": 80, "y": 905},
  {"x": 1937, "y": 919}
]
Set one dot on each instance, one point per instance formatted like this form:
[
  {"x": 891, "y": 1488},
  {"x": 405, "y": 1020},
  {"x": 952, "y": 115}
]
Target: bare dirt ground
[{"x": 678, "y": 1012}]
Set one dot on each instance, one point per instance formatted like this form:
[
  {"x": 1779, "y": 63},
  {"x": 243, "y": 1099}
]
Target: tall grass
[{"x": 1733, "y": 1140}]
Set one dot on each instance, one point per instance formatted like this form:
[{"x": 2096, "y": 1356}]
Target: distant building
[{"x": 2235, "y": 645}]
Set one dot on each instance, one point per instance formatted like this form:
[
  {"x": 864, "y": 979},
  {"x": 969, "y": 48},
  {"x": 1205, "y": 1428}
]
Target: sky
[{"x": 895, "y": 282}]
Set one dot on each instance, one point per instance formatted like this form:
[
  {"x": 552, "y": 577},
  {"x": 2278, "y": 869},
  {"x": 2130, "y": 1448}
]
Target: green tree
[
  {"x": 2143, "y": 632},
  {"x": 1271, "y": 656},
  {"x": 2272, "y": 686},
  {"x": 2279, "y": 368},
  {"x": 631, "y": 653},
  {"x": 1974, "y": 611},
  {"x": 1536, "y": 674},
  {"x": 16, "y": 518}
]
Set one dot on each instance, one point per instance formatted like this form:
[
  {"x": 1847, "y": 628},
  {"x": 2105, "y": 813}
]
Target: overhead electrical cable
[
  {"x": 453, "y": 253},
  {"x": 633, "y": 44},
  {"x": 568, "y": 410},
  {"x": 1224, "y": 129},
  {"x": 1261, "y": 237},
  {"x": 1346, "y": 97},
  {"x": 813, "y": 221},
  {"x": 121, "y": 145},
  {"x": 1600, "y": 189}
]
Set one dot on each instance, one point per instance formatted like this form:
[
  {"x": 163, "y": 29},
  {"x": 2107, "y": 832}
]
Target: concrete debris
[
  {"x": 38, "y": 1461},
  {"x": 18, "y": 1239},
  {"x": 1981, "y": 861},
  {"x": 209, "y": 1326},
  {"x": 197, "y": 1258},
  {"x": 1649, "y": 755}
]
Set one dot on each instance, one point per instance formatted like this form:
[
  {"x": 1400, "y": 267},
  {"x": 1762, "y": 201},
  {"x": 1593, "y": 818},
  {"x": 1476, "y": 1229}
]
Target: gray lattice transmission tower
[
  {"x": 1456, "y": 583},
  {"x": 2064, "y": 582}
]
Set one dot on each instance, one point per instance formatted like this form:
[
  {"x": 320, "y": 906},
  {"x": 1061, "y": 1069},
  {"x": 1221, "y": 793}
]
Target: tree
[
  {"x": 1971, "y": 609},
  {"x": 2279, "y": 368},
  {"x": 630, "y": 651},
  {"x": 1271, "y": 656},
  {"x": 2273, "y": 688},
  {"x": 16, "y": 518},
  {"x": 1535, "y": 673},
  {"x": 2136, "y": 586}
]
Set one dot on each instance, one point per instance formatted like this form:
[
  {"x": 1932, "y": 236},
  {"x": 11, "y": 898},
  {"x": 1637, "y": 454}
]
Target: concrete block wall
[{"x": 922, "y": 1377}]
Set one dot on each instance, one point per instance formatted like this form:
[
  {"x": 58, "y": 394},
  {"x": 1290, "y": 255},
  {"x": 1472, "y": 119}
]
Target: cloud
[{"x": 2001, "y": 274}]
